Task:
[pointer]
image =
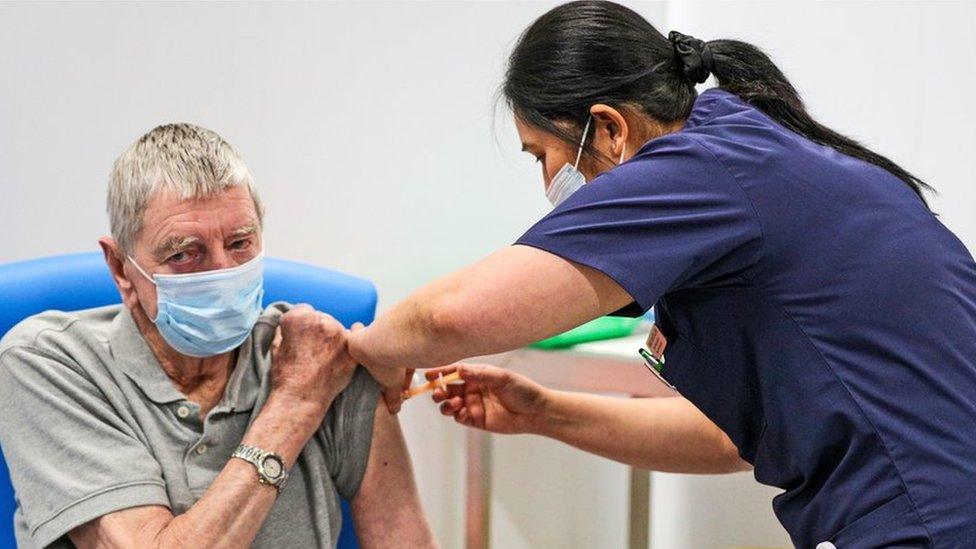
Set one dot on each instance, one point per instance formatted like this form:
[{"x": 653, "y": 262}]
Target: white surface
[{"x": 368, "y": 128}]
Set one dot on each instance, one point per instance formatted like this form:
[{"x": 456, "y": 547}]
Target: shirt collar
[
  {"x": 711, "y": 103},
  {"x": 135, "y": 358}
]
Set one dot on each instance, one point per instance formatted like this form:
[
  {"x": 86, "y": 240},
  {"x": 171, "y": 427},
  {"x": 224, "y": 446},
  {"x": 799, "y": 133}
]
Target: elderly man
[{"x": 175, "y": 419}]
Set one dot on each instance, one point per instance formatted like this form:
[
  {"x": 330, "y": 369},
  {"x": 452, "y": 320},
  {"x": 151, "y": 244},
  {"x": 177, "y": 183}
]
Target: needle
[{"x": 441, "y": 382}]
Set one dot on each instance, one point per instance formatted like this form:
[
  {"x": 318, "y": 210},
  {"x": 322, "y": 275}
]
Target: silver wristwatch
[{"x": 270, "y": 466}]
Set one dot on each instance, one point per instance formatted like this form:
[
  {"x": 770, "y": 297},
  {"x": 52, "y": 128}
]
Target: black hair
[{"x": 594, "y": 51}]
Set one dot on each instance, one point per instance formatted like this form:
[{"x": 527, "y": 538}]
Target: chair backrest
[{"x": 82, "y": 281}]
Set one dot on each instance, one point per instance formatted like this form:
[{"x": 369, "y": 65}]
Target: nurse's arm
[
  {"x": 661, "y": 434},
  {"x": 514, "y": 297}
]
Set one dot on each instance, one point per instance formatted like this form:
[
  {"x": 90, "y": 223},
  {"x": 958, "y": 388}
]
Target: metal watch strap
[
  {"x": 255, "y": 456},
  {"x": 248, "y": 453}
]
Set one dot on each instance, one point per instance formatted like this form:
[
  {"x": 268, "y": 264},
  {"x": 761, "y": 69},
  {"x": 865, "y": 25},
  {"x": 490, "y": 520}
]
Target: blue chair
[{"x": 82, "y": 281}]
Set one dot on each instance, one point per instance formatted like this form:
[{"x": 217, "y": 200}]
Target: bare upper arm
[
  {"x": 133, "y": 527},
  {"x": 522, "y": 294},
  {"x": 387, "y": 509}
]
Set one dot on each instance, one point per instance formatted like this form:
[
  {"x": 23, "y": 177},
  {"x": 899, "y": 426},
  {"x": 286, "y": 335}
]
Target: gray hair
[{"x": 193, "y": 162}]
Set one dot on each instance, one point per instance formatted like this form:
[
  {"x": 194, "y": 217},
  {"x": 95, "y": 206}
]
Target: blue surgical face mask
[
  {"x": 568, "y": 179},
  {"x": 209, "y": 313}
]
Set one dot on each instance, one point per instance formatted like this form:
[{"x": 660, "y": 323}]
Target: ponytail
[
  {"x": 594, "y": 51},
  {"x": 746, "y": 71}
]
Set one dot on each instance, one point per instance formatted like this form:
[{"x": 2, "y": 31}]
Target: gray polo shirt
[{"x": 91, "y": 424}]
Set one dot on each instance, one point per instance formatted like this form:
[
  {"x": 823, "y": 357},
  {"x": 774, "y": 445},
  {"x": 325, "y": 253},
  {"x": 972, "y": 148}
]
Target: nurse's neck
[
  {"x": 644, "y": 129},
  {"x": 648, "y": 129}
]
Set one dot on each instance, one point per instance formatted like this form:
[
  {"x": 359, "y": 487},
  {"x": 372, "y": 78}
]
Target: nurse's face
[
  {"x": 550, "y": 152},
  {"x": 608, "y": 136}
]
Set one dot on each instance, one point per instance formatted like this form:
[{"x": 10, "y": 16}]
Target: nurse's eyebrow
[{"x": 529, "y": 149}]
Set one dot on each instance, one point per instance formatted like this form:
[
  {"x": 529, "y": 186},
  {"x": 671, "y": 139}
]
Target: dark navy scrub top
[{"x": 815, "y": 310}]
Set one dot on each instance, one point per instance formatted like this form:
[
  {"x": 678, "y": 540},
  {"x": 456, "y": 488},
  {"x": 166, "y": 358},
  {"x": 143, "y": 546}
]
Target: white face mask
[{"x": 568, "y": 179}]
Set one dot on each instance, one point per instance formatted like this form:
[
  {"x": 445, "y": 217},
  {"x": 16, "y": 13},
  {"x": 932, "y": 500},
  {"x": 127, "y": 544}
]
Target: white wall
[
  {"x": 369, "y": 130},
  {"x": 895, "y": 75}
]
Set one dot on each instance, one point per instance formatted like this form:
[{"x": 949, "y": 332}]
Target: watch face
[{"x": 272, "y": 467}]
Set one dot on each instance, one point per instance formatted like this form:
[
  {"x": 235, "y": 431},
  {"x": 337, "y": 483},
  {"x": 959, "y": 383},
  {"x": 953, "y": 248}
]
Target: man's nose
[{"x": 220, "y": 258}]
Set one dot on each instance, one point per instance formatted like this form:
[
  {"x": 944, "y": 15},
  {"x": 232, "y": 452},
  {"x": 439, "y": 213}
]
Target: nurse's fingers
[
  {"x": 440, "y": 394},
  {"x": 463, "y": 417},
  {"x": 394, "y": 396},
  {"x": 433, "y": 373},
  {"x": 451, "y": 407},
  {"x": 475, "y": 407},
  {"x": 394, "y": 399}
]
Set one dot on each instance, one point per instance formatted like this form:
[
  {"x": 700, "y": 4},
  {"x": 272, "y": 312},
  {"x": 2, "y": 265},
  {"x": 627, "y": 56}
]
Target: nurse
[{"x": 815, "y": 310}]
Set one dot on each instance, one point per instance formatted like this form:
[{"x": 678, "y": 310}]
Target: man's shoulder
[
  {"x": 272, "y": 313},
  {"x": 264, "y": 329},
  {"x": 40, "y": 329},
  {"x": 60, "y": 333},
  {"x": 263, "y": 335}
]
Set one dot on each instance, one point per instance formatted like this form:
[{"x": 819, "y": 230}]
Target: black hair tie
[{"x": 694, "y": 55}]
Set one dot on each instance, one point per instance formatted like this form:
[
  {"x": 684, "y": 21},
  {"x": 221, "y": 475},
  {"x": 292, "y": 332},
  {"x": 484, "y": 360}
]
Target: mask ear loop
[
  {"x": 579, "y": 155},
  {"x": 623, "y": 151},
  {"x": 143, "y": 273}
]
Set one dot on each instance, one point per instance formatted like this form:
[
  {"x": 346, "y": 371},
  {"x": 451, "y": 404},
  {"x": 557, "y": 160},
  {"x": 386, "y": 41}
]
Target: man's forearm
[
  {"x": 234, "y": 507},
  {"x": 661, "y": 434}
]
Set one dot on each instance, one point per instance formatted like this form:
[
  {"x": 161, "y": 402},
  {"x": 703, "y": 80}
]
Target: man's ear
[
  {"x": 611, "y": 130},
  {"x": 115, "y": 259}
]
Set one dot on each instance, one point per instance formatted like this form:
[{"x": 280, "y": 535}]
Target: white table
[{"x": 611, "y": 366}]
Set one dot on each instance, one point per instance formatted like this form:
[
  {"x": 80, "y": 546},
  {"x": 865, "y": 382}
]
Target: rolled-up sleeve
[
  {"x": 348, "y": 432},
  {"x": 671, "y": 217},
  {"x": 71, "y": 457}
]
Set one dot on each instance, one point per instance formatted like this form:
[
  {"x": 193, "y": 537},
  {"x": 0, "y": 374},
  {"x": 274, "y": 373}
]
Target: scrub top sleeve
[{"x": 669, "y": 218}]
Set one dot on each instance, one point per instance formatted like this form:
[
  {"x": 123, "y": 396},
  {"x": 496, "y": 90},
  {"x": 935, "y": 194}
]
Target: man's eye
[
  {"x": 178, "y": 257},
  {"x": 240, "y": 244}
]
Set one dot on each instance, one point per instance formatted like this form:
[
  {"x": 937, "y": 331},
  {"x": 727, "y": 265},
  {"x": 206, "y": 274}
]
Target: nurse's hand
[
  {"x": 393, "y": 380},
  {"x": 492, "y": 398}
]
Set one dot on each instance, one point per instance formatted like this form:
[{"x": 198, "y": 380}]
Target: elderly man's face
[{"x": 190, "y": 236}]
